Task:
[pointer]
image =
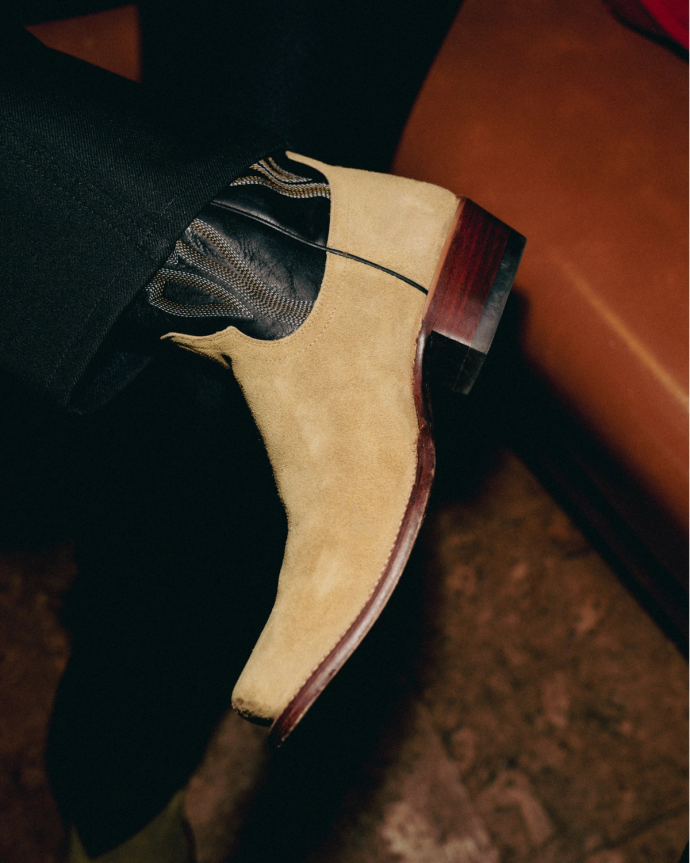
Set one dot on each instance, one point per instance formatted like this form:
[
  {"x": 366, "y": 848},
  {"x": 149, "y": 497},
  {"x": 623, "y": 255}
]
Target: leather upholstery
[
  {"x": 109, "y": 39},
  {"x": 574, "y": 129}
]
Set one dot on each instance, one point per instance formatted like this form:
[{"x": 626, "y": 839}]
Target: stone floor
[{"x": 513, "y": 704}]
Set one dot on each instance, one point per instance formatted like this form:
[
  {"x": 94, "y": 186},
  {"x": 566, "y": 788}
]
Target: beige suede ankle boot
[{"x": 341, "y": 408}]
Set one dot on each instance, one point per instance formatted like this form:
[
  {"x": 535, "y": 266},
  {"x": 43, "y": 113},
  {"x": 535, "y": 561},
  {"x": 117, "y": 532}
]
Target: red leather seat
[
  {"x": 109, "y": 39},
  {"x": 573, "y": 129}
]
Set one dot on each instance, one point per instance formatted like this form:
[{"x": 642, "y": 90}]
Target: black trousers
[{"x": 179, "y": 529}]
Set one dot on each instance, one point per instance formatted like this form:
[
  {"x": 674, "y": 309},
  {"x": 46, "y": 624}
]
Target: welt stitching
[{"x": 374, "y": 589}]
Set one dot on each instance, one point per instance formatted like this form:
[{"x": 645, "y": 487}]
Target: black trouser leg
[
  {"x": 179, "y": 542},
  {"x": 335, "y": 79}
]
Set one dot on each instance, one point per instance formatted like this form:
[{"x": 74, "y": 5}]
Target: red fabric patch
[{"x": 673, "y": 17}]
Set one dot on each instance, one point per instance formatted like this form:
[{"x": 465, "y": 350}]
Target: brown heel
[{"x": 468, "y": 296}]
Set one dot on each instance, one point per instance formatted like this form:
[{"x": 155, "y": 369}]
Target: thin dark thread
[
  {"x": 104, "y": 218},
  {"x": 99, "y": 191}
]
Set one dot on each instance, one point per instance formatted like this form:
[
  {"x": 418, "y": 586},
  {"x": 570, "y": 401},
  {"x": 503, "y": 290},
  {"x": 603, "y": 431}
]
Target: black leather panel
[
  {"x": 275, "y": 244},
  {"x": 282, "y": 262},
  {"x": 308, "y": 218}
]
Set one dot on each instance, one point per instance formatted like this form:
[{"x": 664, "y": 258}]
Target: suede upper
[{"x": 335, "y": 406}]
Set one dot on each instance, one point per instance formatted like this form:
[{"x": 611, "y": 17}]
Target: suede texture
[
  {"x": 335, "y": 406},
  {"x": 393, "y": 222},
  {"x": 166, "y": 839}
]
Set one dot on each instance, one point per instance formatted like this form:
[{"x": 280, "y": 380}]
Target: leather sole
[{"x": 472, "y": 281}]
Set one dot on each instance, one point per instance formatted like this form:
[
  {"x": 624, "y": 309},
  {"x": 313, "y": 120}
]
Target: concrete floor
[{"x": 513, "y": 704}]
